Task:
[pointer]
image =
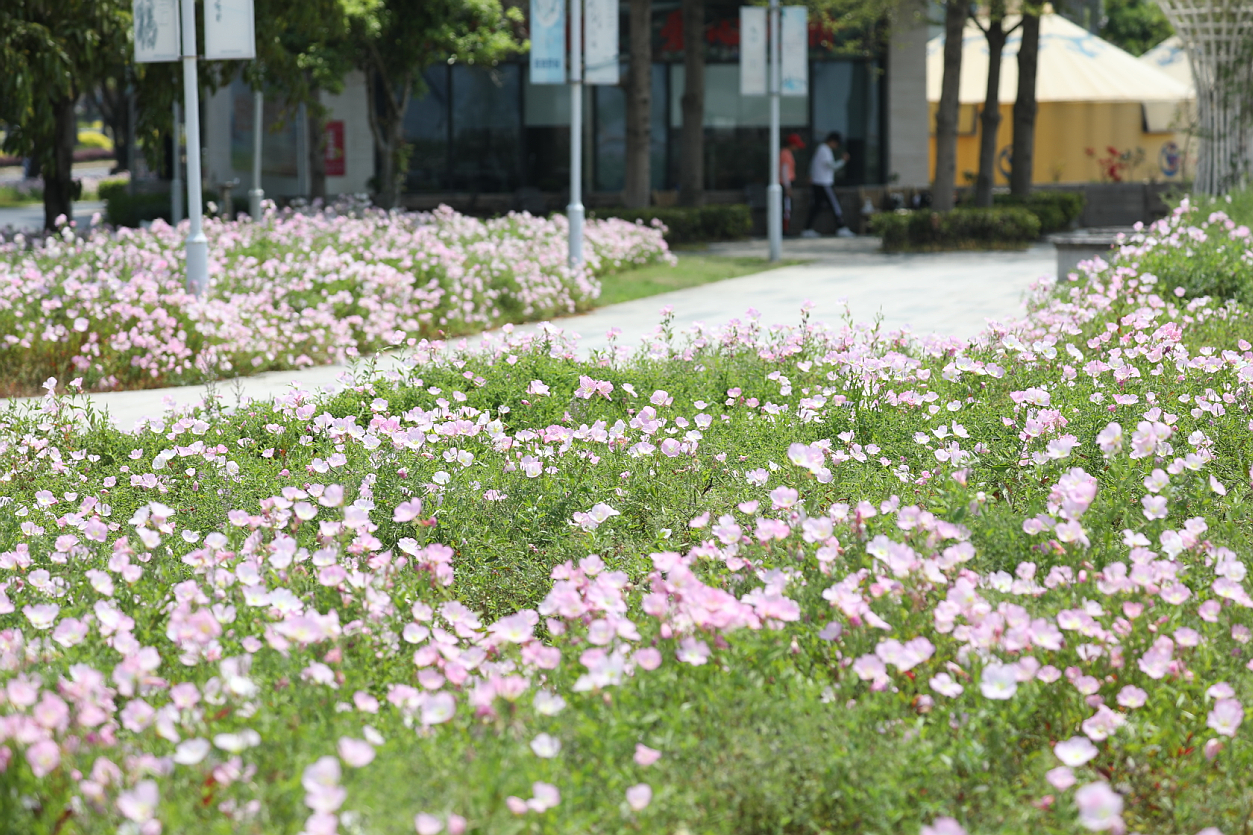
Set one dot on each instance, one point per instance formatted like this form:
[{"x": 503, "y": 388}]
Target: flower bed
[
  {"x": 800, "y": 579},
  {"x": 294, "y": 290}
]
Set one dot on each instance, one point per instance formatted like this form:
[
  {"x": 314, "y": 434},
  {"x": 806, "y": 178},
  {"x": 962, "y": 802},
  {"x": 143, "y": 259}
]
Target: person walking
[
  {"x": 828, "y": 159},
  {"x": 787, "y": 174}
]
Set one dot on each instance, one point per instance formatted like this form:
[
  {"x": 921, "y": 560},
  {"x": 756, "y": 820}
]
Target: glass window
[
  {"x": 611, "y": 133},
  {"x": 846, "y": 98},
  {"x": 426, "y": 131},
  {"x": 486, "y": 149}
]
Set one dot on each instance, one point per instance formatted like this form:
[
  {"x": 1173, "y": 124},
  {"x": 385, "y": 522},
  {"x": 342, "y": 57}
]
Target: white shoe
[
  {"x": 845, "y": 232},
  {"x": 809, "y": 233}
]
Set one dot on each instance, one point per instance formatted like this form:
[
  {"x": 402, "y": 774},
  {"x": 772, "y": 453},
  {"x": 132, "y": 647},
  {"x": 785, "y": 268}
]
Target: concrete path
[
  {"x": 948, "y": 293},
  {"x": 30, "y": 218}
]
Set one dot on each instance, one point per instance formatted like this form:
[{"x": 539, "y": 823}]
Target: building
[{"x": 488, "y": 131}]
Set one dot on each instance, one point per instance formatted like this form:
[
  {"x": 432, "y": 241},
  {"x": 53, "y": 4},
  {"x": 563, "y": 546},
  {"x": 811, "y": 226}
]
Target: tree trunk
[
  {"x": 990, "y": 119},
  {"x": 692, "y": 138},
  {"x": 387, "y": 126},
  {"x": 1023, "y": 152},
  {"x": 955, "y": 12},
  {"x": 59, "y": 187},
  {"x": 638, "y": 185},
  {"x": 317, "y": 152}
]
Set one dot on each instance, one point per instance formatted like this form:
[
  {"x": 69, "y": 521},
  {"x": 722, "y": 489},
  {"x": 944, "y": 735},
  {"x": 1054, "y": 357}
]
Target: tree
[
  {"x": 1022, "y": 153},
  {"x": 639, "y": 85},
  {"x": 955, "y": 12},
  {"x": 692, "y": 136},
  {"x": 990, "y": 119},
  {"x": 1135, "y": 25},
  {"x": 393, "y": 41},
  {"x": 51, "y": 52}
]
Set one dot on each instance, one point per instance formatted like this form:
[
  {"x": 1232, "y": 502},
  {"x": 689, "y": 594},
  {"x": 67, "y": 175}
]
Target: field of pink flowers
[
  {"x": 297, "y": 289},
  {"x": 751, "y": 580}
]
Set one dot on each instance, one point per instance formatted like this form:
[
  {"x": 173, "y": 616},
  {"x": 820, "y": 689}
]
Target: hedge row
[
  {"x": 690, "y": 224},
  {"x": 928, "y": 231}
]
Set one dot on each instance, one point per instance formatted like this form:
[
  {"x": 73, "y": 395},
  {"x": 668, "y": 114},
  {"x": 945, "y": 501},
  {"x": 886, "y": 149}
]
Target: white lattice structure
[{"x": 1217, "y": 35}]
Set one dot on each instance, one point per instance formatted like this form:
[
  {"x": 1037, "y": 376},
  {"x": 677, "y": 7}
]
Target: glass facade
[{"x": 489, "y": 130}]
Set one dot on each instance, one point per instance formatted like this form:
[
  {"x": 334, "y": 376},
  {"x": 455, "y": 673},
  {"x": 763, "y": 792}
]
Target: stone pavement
[
  {"x": 948, "y": 293},
  {"x": 31, "y": 217}
]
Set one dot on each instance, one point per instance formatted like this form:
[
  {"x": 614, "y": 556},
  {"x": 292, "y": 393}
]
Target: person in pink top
[{"x": 787, "y": 173}]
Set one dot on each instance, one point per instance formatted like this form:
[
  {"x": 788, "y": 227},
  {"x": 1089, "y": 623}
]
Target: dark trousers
[{"x": 821, "y": 197}]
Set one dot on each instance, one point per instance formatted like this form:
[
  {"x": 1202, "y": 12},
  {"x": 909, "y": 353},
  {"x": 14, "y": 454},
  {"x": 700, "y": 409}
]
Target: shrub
[
  {"x": 122, "y": 208},
  {"x": 929, "y": 231},
  {"x": 1056, "y": 210},
  {"x": 684, "y": 224}
]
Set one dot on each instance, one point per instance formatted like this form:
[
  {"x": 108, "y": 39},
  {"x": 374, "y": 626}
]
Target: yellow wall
[{"x": 1064, "y": 130}]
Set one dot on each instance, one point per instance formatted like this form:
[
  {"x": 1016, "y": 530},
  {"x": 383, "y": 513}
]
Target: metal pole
[
  {"x": 176, "y": 170},
  {"x": 575, "y": 210},
  {"x": 257, "y": 194},
  {"x": 774, "y": 192},
  {"x": 197, "y": 243}
]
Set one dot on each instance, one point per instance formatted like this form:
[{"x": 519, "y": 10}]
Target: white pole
[
  {"x": 176, "y": 167},
  {"x": 575, "y": 210},
  {"x": 197, "y": 244},
  {"x": 257, "y": 194},
  {"x": 774, "y": 193}
]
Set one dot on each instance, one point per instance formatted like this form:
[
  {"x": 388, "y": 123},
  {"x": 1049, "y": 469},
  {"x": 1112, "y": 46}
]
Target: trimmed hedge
[
  {"x": 691, "y": 224},
  {"x": 1057, "y": 210},
  {"x": 124, "y": 209},
  {"x": 928, "y": 231}
]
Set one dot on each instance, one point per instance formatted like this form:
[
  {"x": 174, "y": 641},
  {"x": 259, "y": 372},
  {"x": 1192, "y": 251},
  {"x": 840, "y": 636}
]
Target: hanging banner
[
  {"x": 753, "y": 51},
  {"x": 156, "y": 31},
  {"x": 548, "y": 41},
  {"x": 229, "y": 30},
  {"x": 795, "y": 50},
  {"x": 600, "y": 34}
]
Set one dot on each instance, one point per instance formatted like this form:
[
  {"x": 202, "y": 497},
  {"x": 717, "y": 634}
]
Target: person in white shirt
[{"x": 822, "y": 171}]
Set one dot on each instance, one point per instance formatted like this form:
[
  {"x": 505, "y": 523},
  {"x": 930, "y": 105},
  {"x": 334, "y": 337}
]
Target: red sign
[{"x": 333, "y": 154}]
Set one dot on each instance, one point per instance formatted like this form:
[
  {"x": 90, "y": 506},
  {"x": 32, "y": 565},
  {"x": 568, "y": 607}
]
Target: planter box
[{"x": 1084, "y": 245}]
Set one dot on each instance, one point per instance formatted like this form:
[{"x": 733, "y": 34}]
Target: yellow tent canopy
[{"x": 1104, "y": 114}]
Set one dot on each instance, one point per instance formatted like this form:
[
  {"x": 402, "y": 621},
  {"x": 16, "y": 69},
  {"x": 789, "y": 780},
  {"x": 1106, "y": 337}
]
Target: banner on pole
[
  {"x": 156, "y": 31},
  {"x": 753, "y": 51},
  {"x": 795, "y": 36},
  {"x": 600, "y": 35},
  {"x": 548, "y": 41},
  {"x": 229, "y": 30}
]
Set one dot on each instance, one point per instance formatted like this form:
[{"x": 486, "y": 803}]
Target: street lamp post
[
  {"x": 774, "y": 192},
  {"x": 574, "y": 211},
  {"x": 197, "y": 243}
]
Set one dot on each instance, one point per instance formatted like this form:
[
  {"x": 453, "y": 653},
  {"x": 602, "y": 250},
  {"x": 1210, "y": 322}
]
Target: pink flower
[
  {"x": 943, "y": 826},
  {"x": 1100, "y": 807},
  {"x": 1132, "y": 696},
  {"x": 545, "y": 797},
  {"x": 998, "y": 682},
  {"x": 43, "y": 757},
  {"x": 1060, "y": 778},
  {"x": 1226, "y": 717},
  {"x": 639, "y": 796},
  {"x": 355, "y": 752},
  {"x": 139, "y": 804},
  {"x": 407, "y": 511},
  {"x": 430, "y": 825},
  {"x": 1075, "y": 751},
  {"x": 645, "y": 756}
]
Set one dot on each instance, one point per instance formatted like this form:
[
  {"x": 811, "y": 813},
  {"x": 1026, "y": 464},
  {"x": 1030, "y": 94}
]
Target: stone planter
[{"x": 1084, "y": 245}]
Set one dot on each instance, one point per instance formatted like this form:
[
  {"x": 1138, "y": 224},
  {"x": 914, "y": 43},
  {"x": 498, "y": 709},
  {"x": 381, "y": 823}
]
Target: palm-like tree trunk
[
  {"x": 637, "y": 187},
  {"x": 692, "y": 138},
  {"x": 1025, "y": 105},
  {"x": 955, "y": 12},
  {"x": 990, "y": 119},
  {"x": 59, "y": 187}
]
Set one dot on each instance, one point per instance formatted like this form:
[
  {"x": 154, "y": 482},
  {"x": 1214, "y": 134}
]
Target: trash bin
[{"x": 1084, "y": 245}]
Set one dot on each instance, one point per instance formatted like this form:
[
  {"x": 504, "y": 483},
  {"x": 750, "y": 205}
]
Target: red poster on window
[{"x": 334, "y": 153}]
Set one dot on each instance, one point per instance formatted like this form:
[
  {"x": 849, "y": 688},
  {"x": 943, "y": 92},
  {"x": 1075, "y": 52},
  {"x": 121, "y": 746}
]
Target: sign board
[
  {"x": 795, "y": 36},
  {"x": 333, "y": 155},
  {"x": 229, "y": 30},
  {"x": 600, "y": 36},
  {"x": 753, "y": 51},
  {"x": 156, "y": 31},
  {"x": 548, "y": 41}
]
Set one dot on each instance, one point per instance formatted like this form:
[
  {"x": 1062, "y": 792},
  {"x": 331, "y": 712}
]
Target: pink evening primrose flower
[
  {"x": 639, "y": 796},
  {"x": 999, "y": 681},
  {"x": 1100, "y": 807},
  {"x": 645, "y": 756},
  {"x": 943, "y": 826},
  {"x": 1226, "y": 717}
]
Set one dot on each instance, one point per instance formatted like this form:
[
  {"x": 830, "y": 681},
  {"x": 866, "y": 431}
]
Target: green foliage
[
  {"x": 929, "y": 231},
  {"x": 1057, "y": 211},
  {"x": 694, "y": 224},
  {"x": 1135, "y": 25}
]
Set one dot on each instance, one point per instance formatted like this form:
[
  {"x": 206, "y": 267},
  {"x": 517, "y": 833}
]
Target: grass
[
  {"x": 692, "y": 270},
  {"x": 10, "y": 197}
]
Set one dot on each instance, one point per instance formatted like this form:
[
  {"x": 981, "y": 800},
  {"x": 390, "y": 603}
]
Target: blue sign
[{"x": 548, "y": 42}]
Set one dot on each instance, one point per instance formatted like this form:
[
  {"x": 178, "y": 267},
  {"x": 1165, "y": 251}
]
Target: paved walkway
[
  {"x": 949, "y": 293},
  {"x": 31, "y": 217}
]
